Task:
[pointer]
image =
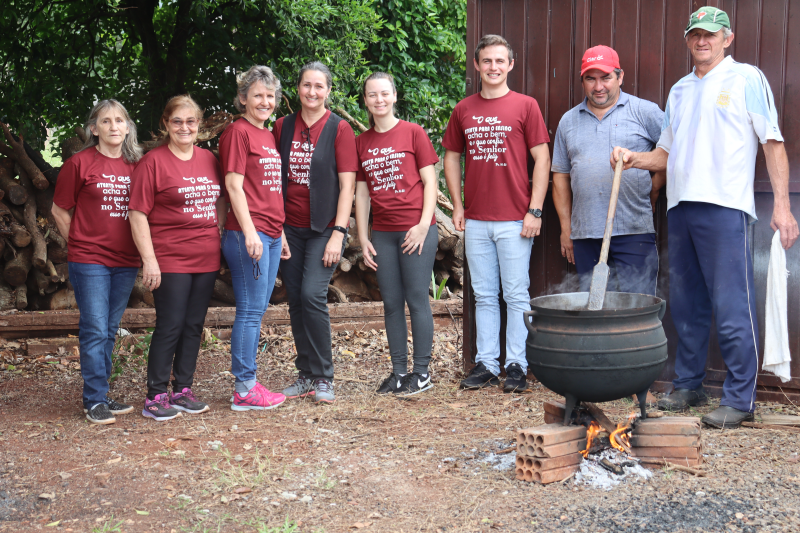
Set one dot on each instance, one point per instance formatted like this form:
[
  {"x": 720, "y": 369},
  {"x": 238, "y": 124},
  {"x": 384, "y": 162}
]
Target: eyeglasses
[
  {"x": 306, "y": 136},
  {"x": 190, "y": 123},
  {"x": 256, "y": 270}
]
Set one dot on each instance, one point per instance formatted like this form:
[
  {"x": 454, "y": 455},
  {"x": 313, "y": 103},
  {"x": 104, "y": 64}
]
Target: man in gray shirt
[{"x": 607, "y": 117}]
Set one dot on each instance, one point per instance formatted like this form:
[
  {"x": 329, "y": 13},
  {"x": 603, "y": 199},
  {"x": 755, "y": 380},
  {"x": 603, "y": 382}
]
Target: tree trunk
[
  {"x": 35, "y": 175},
  {"x": 21, "y": 297}
]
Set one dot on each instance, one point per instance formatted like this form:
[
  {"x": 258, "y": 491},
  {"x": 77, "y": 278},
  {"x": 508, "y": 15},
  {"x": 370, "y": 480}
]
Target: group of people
[
  {"x": 290, "y": 192},
  {"x": 274, "y": 199}
]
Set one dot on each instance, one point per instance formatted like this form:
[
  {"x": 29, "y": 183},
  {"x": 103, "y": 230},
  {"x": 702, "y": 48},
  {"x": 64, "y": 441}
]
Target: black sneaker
[
  {"x": 479, "y": 377},
  {"x": 100, "y": 414},
  {"x": 119, "y": 408},
  {"x": 159, "y": 408},
  {"x": 682, "y": 399},
  {"x": 726, "y": 417},
  {"x": 515, "y": 379},
  {"x": 390, "y": 384},
  {"x": 116, "y": 407},
  {"x": 414, "y": 384}
]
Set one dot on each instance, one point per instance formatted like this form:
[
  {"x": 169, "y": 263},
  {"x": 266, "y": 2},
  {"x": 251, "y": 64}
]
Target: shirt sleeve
[
  {"x": 233, "y": 151},
  {"x": 665, "y": 139},
  {"x": 345, "y": 145},
  {"x": 143, "y": 187},
  {"x": 360, "y": 174},
  {"x": 453, "y": 139},
  {"x": 761, "y": 107},
  {"x": 424, "y": 152},
  {"x": 561, "y": 162},
  {"x": 68, "y": 185},
  {"x": 535, "y": 129},
  {"x": 276, "y": 132},
  {"x": 652, "y": 120}
]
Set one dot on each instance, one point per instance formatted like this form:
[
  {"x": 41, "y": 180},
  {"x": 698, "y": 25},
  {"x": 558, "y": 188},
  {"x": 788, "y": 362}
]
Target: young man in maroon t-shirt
[{"x": 501, "y": 212}]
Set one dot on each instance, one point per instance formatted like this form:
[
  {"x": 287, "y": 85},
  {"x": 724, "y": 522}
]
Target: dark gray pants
[
  {"x": 405, "y": 279},
  {"x": 307, "y": 279}
]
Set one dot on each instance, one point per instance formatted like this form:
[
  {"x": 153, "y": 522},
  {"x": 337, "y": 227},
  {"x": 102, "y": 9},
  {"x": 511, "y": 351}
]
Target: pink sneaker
[{"x": 259, "y": 397}]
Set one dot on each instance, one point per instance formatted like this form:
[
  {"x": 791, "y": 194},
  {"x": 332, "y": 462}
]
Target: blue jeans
[
  {"x": 497, "y": 253},
  {"x": 252, "y": 297},
  {"x": 102, "y": 294}
]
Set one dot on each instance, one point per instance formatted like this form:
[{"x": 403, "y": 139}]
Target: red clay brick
[
  {"x": 550, "y": 434},
  {"x": 563, "y": 448},
  {"x": 691, "y": 452},
  {"x": 667, "y": 426},
  {"x": 638, "y": 441},
  {"x": 557, "y": 474}
]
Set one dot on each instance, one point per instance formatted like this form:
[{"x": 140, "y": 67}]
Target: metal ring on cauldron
[
  {"x": 594, "y": 352},
  {"x": 601, "y": 368}
]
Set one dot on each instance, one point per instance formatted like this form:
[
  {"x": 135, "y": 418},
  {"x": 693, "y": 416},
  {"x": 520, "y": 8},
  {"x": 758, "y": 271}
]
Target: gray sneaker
[
  {"x": 323, "y": 391},
  {"x": 299, "y": 389}
]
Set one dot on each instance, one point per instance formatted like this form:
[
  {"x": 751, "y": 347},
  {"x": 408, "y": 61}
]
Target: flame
[
  {"x": 619, "y": 438},
  {"x": 591, "y": 432}
]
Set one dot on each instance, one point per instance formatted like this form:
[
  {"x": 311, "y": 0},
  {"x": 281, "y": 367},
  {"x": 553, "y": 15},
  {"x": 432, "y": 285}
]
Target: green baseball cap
[{"x": 708, "y": 18}]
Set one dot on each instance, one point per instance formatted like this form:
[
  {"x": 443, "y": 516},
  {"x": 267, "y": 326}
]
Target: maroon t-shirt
[
  {"x": 298, "y": 199},
  {"x": 98, "y": 187},
  {"x": 498, "y": 134},
  {"x": 179, "y": 199},
  {"x": 390, "y": 163},
  {"x": 250, "y": 151}
]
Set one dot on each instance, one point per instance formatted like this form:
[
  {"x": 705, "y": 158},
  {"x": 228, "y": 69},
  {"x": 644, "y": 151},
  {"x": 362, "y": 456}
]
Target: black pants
[
  {"x": 181, "y": 304},
  {"x": 307, "y": 279},
  {"x": 632, "y": 259},
  {"x": 405, "y": 279}
]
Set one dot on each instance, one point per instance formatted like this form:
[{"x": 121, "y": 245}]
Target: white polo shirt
[{"x": 712, "y": 127}]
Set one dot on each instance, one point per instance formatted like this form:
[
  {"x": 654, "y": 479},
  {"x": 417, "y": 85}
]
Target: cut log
[
  {"x": 8, "y": 297},
  {"x": 42, "y": 281},
  {"x": 440, "y": 275},
  {"x": 223, "y": 292},
  {"x": 345, "y": 265},
  {"x": 352, "y": 286},
  {"x": 14, "y": 192},
  {"x": 51, "y": 271},
  {"x": 29, "y": 213},
  {"x": 25, "y": 162},
  {"x": 21, "y": 297},
  {"x": 16, "y": 270},
  {"x": 44, "y": 204},
  {"x": 81, "y": 134},
  {"x": 63, "y": 272},
  {"x": 336, "y": 295},
  {"x": 141, "y": 294},
  {"x": 59, "y": 300},
  {"x": 57, "y": 254},
  {"x": 20, "y": 237}
]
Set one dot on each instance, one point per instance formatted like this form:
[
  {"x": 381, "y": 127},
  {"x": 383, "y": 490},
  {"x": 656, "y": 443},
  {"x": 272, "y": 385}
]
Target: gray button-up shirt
[{"x": 582, "y": 148}]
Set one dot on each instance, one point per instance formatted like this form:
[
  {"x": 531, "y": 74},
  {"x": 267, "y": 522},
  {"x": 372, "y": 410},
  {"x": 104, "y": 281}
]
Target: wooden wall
[{"x": 549, "y": 38}]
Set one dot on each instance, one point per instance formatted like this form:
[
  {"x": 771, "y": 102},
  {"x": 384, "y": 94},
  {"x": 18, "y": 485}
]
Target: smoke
[{"x": 570, "y": 283}]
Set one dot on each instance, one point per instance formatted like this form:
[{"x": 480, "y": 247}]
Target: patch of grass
[
  {"x": 244, "y": 474},
  {"x": 323, "y": 481},
  {"x": 109, "y": 527},
  {"x": 288, "y": 526}
]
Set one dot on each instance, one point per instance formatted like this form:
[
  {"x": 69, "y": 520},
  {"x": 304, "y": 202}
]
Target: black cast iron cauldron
[{"x": 596, "y": 356}]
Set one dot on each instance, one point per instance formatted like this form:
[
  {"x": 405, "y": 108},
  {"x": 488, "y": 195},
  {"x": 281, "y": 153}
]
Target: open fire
[{"x": 619, "y": 438}]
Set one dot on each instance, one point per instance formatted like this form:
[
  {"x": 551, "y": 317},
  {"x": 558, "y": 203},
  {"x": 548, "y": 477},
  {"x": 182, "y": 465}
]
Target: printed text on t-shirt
[
  {"x": 200, "y": 197},
  {"x": 300, "y": 162},
  {"x": 117, "y": 191},
  {"x": 485, "y": 142},
  {"x": 385, "y": 170}
]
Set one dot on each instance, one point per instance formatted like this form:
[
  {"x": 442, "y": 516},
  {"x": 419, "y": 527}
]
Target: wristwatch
[
  {"x": 535, "y": 212},
  {"x": 339, "y": 228}
]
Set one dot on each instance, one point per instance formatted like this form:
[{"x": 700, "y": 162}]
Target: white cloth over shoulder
[{"x": 777, "y": 358}]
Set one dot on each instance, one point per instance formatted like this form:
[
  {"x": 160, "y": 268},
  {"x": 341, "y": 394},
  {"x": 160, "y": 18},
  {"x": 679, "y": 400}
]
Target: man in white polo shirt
[{"x": 714, "y": 120}]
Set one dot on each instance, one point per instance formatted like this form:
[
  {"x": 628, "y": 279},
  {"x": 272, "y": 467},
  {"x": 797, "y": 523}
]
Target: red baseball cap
[{"x": 600, "y": 57}]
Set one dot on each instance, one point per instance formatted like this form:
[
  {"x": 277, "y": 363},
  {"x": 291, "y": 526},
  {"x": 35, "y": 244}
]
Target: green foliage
[
  {"x": 58, "y": 58},
  {"x": 437, "y": 291},
  {"x": 422, "y": 44}
]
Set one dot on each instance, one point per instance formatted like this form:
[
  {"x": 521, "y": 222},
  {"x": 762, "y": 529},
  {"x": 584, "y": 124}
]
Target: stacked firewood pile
[{"x": 34, "y": 253}]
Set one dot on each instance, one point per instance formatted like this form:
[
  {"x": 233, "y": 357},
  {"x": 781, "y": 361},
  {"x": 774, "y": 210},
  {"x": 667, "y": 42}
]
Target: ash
[{"x": 595, "y": 476}]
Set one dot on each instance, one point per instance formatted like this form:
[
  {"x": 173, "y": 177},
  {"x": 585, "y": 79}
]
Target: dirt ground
[{"x": 367, "y": 463}]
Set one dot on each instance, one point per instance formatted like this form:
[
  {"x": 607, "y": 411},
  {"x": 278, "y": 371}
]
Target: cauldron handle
[
  {"x": 663, "y": 310},
  {"x": 528, "y": 324}
]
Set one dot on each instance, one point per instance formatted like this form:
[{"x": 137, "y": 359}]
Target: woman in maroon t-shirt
[
  {"x": 90, "y": 205},
  {"x": 319, "y": 164},
  {"x": 396, "y": 173},
  {"x": 251, "y": 241},
  {"x": 175, "y": 207}
]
